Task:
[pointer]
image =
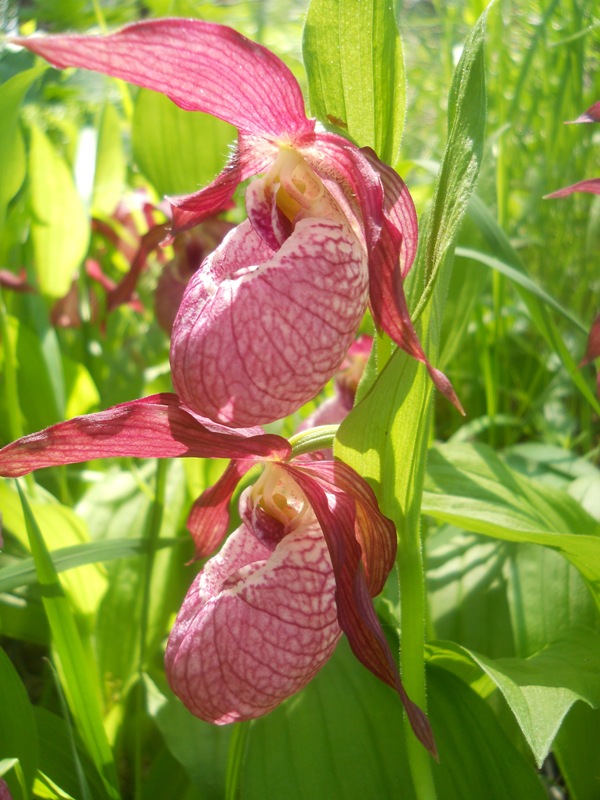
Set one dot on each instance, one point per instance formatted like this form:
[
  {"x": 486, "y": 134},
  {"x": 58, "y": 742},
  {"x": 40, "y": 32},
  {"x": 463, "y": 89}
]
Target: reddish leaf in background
[
  {"x": 591, "y": 186},
  {"x": 591, "y": 115},
  {"x": 592, "y": 350}
]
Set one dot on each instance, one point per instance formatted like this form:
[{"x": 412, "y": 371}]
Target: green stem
[
  {"x": 411, "y": 575},
  {"x": 152, "y": 535}
]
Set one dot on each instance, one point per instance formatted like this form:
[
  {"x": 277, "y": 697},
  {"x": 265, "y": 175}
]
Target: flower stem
[{"x": 412, "y": 656}]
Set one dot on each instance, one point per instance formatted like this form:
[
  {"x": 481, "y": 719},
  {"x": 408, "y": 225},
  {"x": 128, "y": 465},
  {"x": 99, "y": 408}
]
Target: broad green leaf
[
  {"x": 469, "y": 486},
  {"x": 37, "y": 398},
  {"x": 18, "y": 733},
  {"x": 477, "y": 759},
  {"x": 62, "y": 528},
  {"x": 82, "y": 393},
  {"x": 111, "y": 165},
  {"x": 199, "y": 747},
  {"x": 23, "y": 573},
  {"x": 467, "y": 589},
  {"x": 353, "y": 57},
  {"x": 546, "y": 595},
  {"x": 24, "y": 619},
  {"x": 178, "y": 151},
  {"x": 13, "y": 162},
  {"x": 541, "y": 689},
  {"x": 60, "y": 229},
  {"x": 342, "y": 736},
  {"x": 576, "y": 750},
  {"x": 79, "y": 678}
]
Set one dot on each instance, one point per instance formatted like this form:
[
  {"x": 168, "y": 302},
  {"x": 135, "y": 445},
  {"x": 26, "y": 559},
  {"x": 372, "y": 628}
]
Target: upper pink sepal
[
  {"x": 592, "y": 186},
  {"x": 158, "y": 426},
  {"x": 201, "y": 66}
]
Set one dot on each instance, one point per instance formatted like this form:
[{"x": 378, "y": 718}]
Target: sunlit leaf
[
  {"x": 80, "y": 683},
  {"x": 541, "y": 689},
  {"x": 469, "y": 486},
  {"x": 111, "y": 166},
  {"x": 178, "y": 151},
  {"x": 60, "y": 229},
  {"x": 353, "y": 56}
]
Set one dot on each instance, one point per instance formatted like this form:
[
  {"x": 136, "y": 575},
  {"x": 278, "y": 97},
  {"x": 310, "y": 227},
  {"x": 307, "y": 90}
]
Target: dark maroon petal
[
  {"x": 201, "y": 66},
  {"x": 5, "y": 791},
  {"x": 592, "y": 186},
  {"x": 335, "y": 512},
  {"x": 591, "y": 115},
  {"x": 350, "y": 178},
  {"x": 592, "y": 350},
  {"x": 386, "y": 286},
  {"x": 158, "y": 426},
  {"x": 208, "y": 519},
  {"x": 375, "y": 533}
]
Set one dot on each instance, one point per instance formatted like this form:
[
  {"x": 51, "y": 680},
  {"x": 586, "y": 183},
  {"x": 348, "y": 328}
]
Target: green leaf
[
  {"x": 18, "y": 732},
  {"x": 199, "y": 747},
  {"x": 78, "y": 676},
  {"x": 56, "y": 759},
  {"x": 541, "y": 689},
  {"x": 65, "y": 558},
  {"x": 546, "y": 595},
  {"x": 178, "y": 151},
  {"x": 461, "y": 162},
  {"x": 62, "y": 528},
  {"x": 60, "y": 229},
  {"x": 111, "y": 165},
  {"x": 385, "y": 437},
  {"x": 353, "y": 57},
  {"x": 13, "y": 162},
  {"x": 576, "y": 750},
  {"x": 342, "y": 736},
  {"x": 469, "y": 486},
  {"x": 477, "y": 759},
  {"x": 467, "y": 589}
]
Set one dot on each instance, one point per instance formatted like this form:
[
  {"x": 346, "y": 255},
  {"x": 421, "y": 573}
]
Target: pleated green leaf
[
  {"x": 576, "y": 750},
  {"x": 342, "y": 736},
  {"x": 78, "y": 676},
  {"x": 60, "y": 229},
  {"x": 353, "y": 57},
  {"x": 178, "y": 151},
  {"x": 541, "y": 689},
  {"x": 470, "y": 486}
]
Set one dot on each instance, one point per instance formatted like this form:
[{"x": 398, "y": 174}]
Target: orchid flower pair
[{"x": 263, "y": 325}]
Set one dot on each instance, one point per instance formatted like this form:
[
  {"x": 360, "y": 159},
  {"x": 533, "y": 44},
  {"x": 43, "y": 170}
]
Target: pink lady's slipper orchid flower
[
  {"x": 266, "y": 612},
  {"x": 270, "y": 315}
]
